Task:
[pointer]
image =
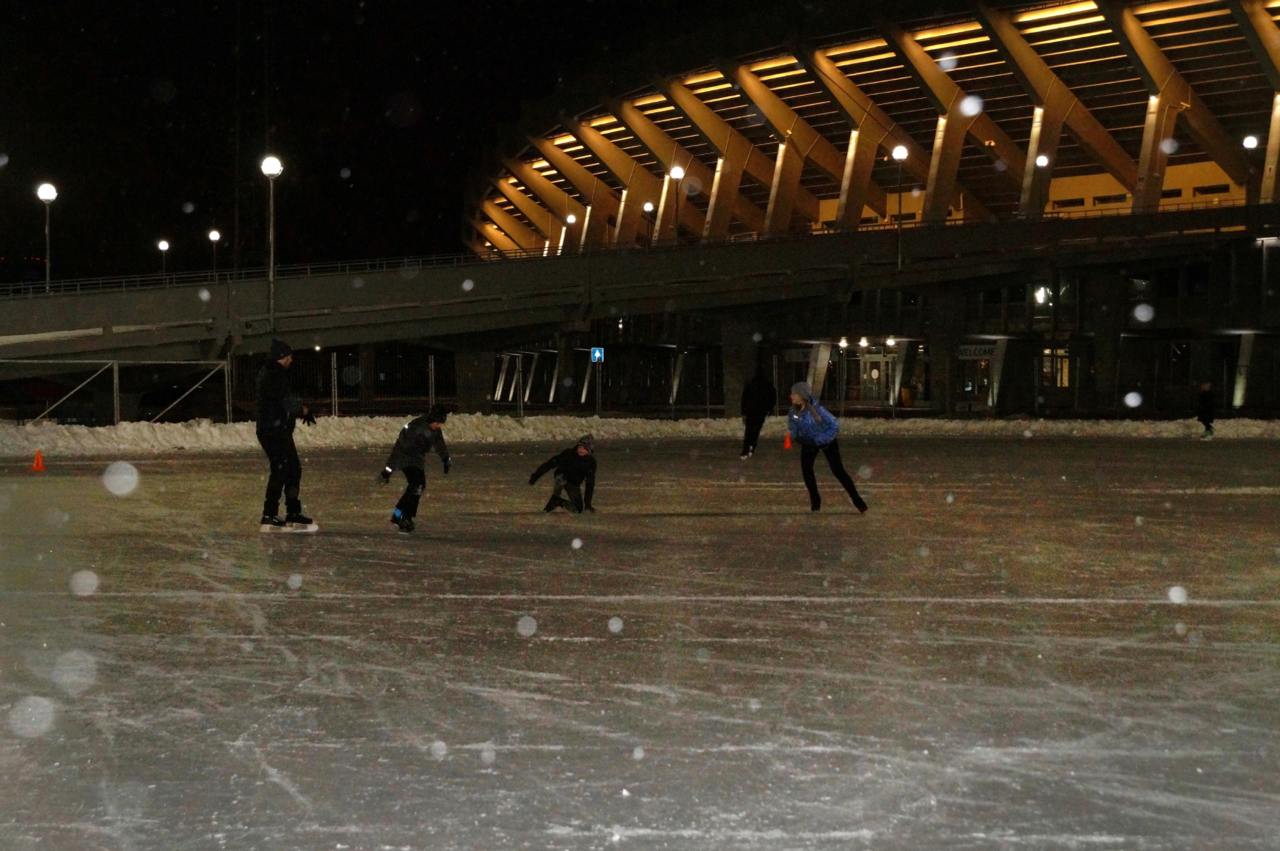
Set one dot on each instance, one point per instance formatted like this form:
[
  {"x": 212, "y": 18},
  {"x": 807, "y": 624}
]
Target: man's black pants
[
  {"x": 573, "y": 503},
  {"x": 416, "y": 479},
  {"x": 286, "y": 473},
  {"x": 751, "y": 437}
]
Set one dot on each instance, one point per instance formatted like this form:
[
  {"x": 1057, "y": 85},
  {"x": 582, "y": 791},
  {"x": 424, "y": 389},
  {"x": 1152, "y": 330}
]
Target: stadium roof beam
[
  {"x": 519, "y": 233},
  {"x": 1170, "y": 94},
  {"x": 543, "y": 220},
  {"x": 783, "y": 179},
  {"x": 640, "y": 184},
  {"x": 809, "y": 143},
  {"x": 489, "y": 231},
  {"x": 958, "y": 117},
  {"x": 873, "y": 130},
  {"x": 601, "y": 202},
  {"x": 1263, "y": 37},
  {"x": 1055, "y": 106},
  {"x": 725, "y": 197},
  {"x": 553, "y": 198}
]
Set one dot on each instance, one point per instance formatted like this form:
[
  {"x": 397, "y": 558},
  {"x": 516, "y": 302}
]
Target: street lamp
[
  {"x": 648, "y": 209},
  {"x": 677, "y": 174},
  {"x": 900, "y": 156},
  {"x": 272, "y": 168},
  {"x": 163, "y": 245},
  {"x": 214, "y": 236},
  {"x": 48, "y": 194}
]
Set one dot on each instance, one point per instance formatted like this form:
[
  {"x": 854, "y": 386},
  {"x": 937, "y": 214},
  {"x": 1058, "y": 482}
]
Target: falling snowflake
[
  {"x": 439, "y": 749},
  {"x": 864, "y": 472},
  {"x": 615, "y": 625},
  {"x": 84, "y": 583},
  {"x": 75, "y": 672},
  {"x": 1178, "y": 594},
  {"x": 468, "y": 285},
  {"x": 576, "y": 543},
  {"x": 188, "y": 208},
  {"x": 32, "y": 717},
  {"x": 488, "y": 755},
  {"x": 121, "y": 478},
  {"x": 526, "y": 626},
  {"x": 1144, "y": 313},
  {"x": 637, "y": 753},
  {"x": 947, "y": 61},
  {"x": 757, "y": 337},
  {"x": 295, "y": 581},
  {"x": 951, "y": 498},
  {"x": 204, "y": 294},
  {"x": 344, "y": 173},
  {"x": 1133, "y": 399},
  {"x": 970, "y": 106},
  {"x": 1169, "y": 146}
]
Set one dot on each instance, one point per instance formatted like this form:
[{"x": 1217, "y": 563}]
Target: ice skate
[
  {"x": 271, "y": 523},
  {"x": 404, "y": 525},
  {"x": 299, "y": 522}
]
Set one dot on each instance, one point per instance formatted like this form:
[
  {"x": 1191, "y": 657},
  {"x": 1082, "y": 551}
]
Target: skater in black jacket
[
  {"x": 1204, "y": 409},
  {"x": 278, "y": 411},
  {"x": 759, "y": 397},
  {"x": 418, "y": 436},
  {"x": 573, "y": 467}
]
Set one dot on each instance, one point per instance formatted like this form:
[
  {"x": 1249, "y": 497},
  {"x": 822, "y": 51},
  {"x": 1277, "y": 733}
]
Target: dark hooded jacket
[
  {"x": 758, "y": 397},
  {"x": 574, "y": 468},
  {"x": 1204, "y": 405},
  {"x": 416, "y": 439},
  {"x": 278, "y": 407}
]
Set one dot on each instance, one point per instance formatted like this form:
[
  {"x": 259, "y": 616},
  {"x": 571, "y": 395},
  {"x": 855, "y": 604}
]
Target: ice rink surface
[{"x": 995, "y": 656}]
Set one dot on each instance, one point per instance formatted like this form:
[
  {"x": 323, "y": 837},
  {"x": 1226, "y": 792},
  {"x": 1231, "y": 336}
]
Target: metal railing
[{"x": 411, "y": 264}]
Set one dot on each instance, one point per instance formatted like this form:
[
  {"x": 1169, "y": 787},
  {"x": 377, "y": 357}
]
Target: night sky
[{"x": 384, "y": 113}]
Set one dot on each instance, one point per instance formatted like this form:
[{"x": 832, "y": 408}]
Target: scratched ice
[{"x": 999, "y": 653}]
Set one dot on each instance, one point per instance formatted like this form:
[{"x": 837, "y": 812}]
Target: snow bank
[{"x": 379, "y": 432}]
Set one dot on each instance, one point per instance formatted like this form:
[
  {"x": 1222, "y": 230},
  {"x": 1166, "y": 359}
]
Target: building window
[
  {"x": 1215, "y": 189},
  {"x": 1068, "y": 203},
  {"x": 1055, "y": 368},
  {"x": 1099, "y": 200}
]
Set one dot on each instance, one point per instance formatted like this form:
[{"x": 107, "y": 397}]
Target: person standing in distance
[
  {"x": 278, "y": 411},
  {"x": 1204, "y": 409},
  {"x": 815, "y": 429},
  {"x": 418, "y": 436},
  {"x": 758, "y": 398}
]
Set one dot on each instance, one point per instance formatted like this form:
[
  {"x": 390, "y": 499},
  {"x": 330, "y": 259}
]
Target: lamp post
[
  {"x": 900, "y": 156},
  {"x": 677, "y": 174},
  {"x": 48, "y": 194},
  {"x": 648, "y": 217},
  {"x": 272, "y": 168},
  {"x": 163, "y": 245},
  {"x": 214, "y": 236}
]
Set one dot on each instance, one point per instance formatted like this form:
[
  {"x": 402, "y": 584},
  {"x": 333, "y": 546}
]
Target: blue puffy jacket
[{"x": 805, "y": 430}]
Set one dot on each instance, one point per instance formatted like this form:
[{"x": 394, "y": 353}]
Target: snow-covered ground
[
  {"x": 1023, "y": 644},
  {"x": 134, "y": 439}
]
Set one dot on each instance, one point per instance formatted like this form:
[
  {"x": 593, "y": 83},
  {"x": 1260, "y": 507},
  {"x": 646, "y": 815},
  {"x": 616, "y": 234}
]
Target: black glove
[
  {"x": 385, "y": 475},
  {"x": 308, "y": 417},
  {"x": 447, "y": 464},
  {"x": 533, "y": 480}
]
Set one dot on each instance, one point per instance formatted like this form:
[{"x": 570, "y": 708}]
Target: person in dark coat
[
  {"x": 1204, "y": 409},
  {"x": 758, "y": 398},
  {"x": 574, "y": 467},
  {"x": 278, "y": 411},
  {"x": 418, "y": 436},
  {"x": 815, "y": 429}
]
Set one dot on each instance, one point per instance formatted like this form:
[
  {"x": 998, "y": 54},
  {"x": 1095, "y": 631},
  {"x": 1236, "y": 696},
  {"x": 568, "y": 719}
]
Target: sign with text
[{"x": 977, "y": 351}]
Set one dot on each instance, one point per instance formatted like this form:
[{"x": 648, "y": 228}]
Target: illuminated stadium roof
[{"x": 1010, "y": 109}]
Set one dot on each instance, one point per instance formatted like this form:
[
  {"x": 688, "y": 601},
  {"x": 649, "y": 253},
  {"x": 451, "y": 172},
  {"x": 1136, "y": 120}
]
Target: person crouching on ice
[
  {"x": 815, "y": 429},
  {"x": 409, "y": 454},
  {"x": 573, "y": 466}
]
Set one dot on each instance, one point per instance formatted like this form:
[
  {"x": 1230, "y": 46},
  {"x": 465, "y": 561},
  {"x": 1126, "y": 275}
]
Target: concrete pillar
[
  {"x": 737, "y": 361},
  {"x": 475, "y": 379},
  {"x": 945, "y": 330},
  {"x": 1108, "y": 322}
]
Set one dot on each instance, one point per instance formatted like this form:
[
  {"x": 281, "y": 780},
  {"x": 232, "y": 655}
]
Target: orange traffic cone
[
  {"x": 786, "y": 441},
  {"x": 37, "y": 466}
]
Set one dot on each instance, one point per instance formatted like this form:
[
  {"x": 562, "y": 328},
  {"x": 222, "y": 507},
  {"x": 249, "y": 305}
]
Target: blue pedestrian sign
[{"x": 597, "y": 354}]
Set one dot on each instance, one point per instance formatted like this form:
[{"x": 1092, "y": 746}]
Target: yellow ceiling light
[
  {"x": 857, "y": 47},
  {"x": 943, "y": 32},
  {"x": 602, "y": 121},
  {"x": 705, "y": 77},
  {"x": 562, "y": 140},
  {"x": 1167, "y": 6},
  {"x": 1062, "y": 25},
  {"x": 770, "y": 64},
  {"x": 1056, "y": 11}
]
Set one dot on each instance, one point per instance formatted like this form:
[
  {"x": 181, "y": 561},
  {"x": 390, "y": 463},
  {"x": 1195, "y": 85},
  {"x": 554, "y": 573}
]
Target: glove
[
  {"x": 533, "y": 480},
  {"x": 385, "y": 475},
  {"x": 308, "y": 417},
  {"x": 448, "y": 463}
]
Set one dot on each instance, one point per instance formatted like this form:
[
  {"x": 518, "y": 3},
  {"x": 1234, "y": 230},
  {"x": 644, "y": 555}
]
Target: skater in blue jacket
[{"x": 815, "y": 429}]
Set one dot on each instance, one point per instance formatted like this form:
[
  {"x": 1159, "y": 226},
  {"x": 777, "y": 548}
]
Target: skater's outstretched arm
[
  {"x": 538, "y": 473},
  {"x": 443, "y": 451}
]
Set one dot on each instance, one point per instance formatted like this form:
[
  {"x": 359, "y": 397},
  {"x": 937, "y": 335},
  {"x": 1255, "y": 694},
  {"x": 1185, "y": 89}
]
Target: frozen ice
[
  {"x": 75, "y": 672},
  {"x": 1177, "y": 594},
  {"x": 615, "y": 625},
  {"x": 84, "y": 583},
  {"x": 1144, "y": 312},
  {"x": 970, "y": 106},
  {"x": 526, "y": 626},
  {"x": 1133, "y": 399},
  {"x": 32, "y": 717},
  {"x": 121, "y": 478}
]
